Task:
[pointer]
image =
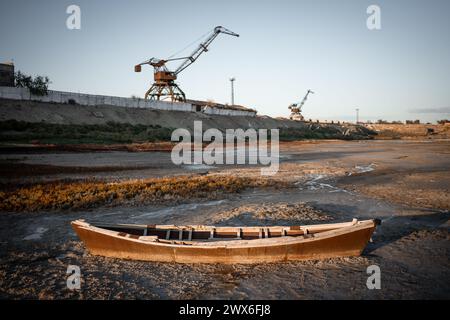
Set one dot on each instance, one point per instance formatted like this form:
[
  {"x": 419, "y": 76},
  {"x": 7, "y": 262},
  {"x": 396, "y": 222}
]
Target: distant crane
[
  {"x": 296, "y": 108},
  {"x": 164, "y": 86}
]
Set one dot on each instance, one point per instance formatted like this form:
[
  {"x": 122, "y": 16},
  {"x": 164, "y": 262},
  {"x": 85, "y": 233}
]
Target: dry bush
[{"x": 89, "y": 194}]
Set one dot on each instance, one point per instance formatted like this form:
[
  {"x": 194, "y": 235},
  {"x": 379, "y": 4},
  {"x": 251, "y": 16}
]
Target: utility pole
[
  {"x": 232, "y": 90},
  {"x": 357, "y": 115}
]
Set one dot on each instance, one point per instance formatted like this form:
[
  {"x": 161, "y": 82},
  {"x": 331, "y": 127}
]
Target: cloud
[{"x": 431, "y": 110}]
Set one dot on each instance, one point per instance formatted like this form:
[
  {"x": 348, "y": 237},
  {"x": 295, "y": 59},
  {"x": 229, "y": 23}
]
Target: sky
[{"x": 398, "y": 72}]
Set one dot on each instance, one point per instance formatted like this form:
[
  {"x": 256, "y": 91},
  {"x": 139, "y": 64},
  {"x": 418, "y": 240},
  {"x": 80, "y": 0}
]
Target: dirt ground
[
  {"x": 411, "y": 131},
  {"x": 405, "y": 183}
]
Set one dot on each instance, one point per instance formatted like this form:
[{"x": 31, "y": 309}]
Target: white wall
[
  {"x": 92, "y": 100},
  {"x": 228, "y": 112}
]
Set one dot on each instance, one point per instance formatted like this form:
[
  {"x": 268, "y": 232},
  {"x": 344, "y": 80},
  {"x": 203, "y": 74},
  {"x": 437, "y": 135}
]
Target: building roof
[{"x": 220, "y": 105}]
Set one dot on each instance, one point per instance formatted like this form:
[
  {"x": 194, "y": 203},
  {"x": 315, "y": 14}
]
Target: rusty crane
[
  {"x": 164, "y": 86},
  {"x": 296, "y": 108}
]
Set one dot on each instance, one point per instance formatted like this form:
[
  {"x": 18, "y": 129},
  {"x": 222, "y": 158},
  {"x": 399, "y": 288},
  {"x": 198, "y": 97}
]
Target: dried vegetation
[{"x": 94, "y": 193}]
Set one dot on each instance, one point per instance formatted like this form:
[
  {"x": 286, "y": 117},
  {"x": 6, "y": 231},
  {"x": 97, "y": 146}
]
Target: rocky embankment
[{"x": 23, "y": 121}]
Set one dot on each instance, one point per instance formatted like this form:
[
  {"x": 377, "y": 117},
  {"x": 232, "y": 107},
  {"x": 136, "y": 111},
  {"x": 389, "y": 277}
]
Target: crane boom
[
  {"x": 203, "y": 47},
  {"x": 304, "y": 100}
]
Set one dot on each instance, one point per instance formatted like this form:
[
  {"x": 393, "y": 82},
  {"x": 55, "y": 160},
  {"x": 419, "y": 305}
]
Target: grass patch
[
  {"x": 91, "y": 194},
  {"x": 12, "y": 131},
  {"x": 109, "y": 133},
  {"x": 329, "y": 131}
]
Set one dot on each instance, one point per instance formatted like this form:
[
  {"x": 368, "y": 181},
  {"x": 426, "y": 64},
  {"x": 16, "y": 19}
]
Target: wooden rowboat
[{"x": 209, "y": 244}]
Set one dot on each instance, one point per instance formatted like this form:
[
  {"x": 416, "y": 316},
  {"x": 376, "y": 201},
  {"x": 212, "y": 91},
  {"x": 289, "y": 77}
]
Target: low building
[
  {"x": 7, "y": 74},
  {"x": 210, "y": 107}
]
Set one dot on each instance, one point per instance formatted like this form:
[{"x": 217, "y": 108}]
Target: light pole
[
  {"x": 232, "y": 90},
  {"x": 357, "y": 115}
]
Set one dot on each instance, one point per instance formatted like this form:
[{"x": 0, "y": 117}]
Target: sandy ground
[{"x": 404, "y": 183}]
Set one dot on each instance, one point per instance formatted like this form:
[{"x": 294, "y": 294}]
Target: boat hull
[{"x": 348, "y": 241}]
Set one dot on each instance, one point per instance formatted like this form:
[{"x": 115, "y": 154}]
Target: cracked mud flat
[
  {"x": 270, "y": 213},
  {"x": 411, "y": 246}
]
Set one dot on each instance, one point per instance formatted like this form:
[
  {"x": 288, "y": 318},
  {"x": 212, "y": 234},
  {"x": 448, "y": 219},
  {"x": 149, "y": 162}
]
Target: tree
[{"x": 37, "y": 86}]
